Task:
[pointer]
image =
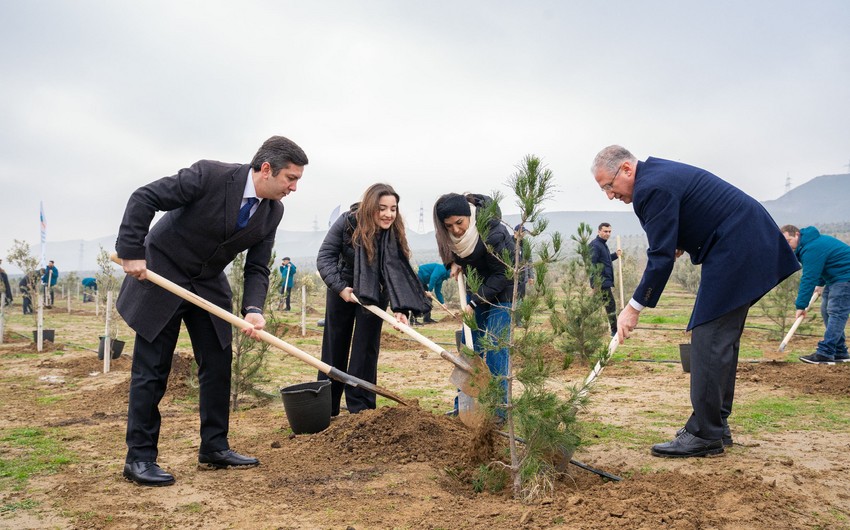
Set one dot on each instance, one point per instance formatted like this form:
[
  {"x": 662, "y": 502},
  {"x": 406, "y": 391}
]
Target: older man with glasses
[{"x": 743, "y": 255}]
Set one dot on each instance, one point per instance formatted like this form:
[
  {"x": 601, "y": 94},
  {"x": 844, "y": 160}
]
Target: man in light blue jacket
[{"x": 826, "y": 262}]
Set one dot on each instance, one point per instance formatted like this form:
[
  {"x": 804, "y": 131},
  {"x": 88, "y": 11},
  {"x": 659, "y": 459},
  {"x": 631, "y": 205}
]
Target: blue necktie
[{"x": 245, "y": 212}]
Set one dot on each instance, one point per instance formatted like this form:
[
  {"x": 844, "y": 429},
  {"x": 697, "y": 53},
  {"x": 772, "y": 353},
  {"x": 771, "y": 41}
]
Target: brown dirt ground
[{"x": 407, "y": 467}]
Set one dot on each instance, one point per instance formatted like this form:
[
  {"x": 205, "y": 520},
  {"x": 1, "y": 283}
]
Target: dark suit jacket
[
  {"x": 193, "y": 243},
  {"x": 600, "y": 255},
  {"x": 742, "y": 252}
]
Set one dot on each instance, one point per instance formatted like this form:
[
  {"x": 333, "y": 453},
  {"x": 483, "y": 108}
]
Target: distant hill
[
  {"x": 825, "y": 199},
  {"x": 822, "y": 200}
]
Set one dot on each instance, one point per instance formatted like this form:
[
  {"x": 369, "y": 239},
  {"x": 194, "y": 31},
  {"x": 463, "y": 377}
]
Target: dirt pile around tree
[{"x": 397, "y": 435}]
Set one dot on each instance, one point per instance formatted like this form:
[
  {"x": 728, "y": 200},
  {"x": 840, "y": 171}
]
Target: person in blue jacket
[
  {"x": 743, "y": 255},
  {"x": 49, "y": 278},
  {"x": 432, "y": 276},
  {"x": 826, "y": 262},
  {"x": 287, "y": 280},
  {"x": 89, "y": 289}
]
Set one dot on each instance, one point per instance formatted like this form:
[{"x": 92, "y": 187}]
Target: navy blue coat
[
  {"x": 742, "y": 252},
  {"x": 599, "y": 254},
  {"x": 193, "y": 243}
]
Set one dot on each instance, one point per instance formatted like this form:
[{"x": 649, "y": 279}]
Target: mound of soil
[
  {"x": 82, "y": 366},
  {"x": 396, "y": 435},
  {"x": 803, "y": 378}
]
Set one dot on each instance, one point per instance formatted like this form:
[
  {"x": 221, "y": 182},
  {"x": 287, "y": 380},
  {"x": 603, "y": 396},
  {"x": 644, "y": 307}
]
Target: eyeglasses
[{"x": 610, "y": 186}]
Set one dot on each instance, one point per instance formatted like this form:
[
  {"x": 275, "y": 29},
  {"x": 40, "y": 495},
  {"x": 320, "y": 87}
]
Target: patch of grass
[
  {"x": 665, "y": 319},
  {"x": 48, "y": 400},
  {"x": 192, "y": 507},
  {"x": 28, "y": 452},
  {"x": 593, "y": 433},
  {"x": 774, "y": 414},
  {"x": 26, "y": 504}
]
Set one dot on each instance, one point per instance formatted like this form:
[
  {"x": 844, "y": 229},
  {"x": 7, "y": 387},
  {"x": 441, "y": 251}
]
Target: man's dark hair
[
  {"x": 279, "y": 152},
  {"x": 603, "y": 225}
]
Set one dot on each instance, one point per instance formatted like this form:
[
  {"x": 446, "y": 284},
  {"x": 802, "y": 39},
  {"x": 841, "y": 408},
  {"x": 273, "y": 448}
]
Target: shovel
[
  {"x": 330, "y": 371},
  {"x": 600, "y": 364},
  {"x": 470, "y": 373},
  {"x": 796, "y": 324},
  {"x": 446, "y": 309},
  {"x": 468, "y": 410}
]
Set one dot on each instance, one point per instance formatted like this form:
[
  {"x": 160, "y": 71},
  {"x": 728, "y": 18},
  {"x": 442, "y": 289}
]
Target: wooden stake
[
  {"x": 620, "y": 268},
  {"x": 107, "y": 341},
  {"x": 303, "y": 310}
]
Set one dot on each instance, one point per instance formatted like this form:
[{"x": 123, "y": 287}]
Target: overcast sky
[{"x": 100, "y": 97}]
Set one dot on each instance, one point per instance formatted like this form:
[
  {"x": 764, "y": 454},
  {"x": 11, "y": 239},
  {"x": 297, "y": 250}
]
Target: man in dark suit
[
  {"x": 214, "y": 212},
  {"x": 602, "y": 276},
  {"x": 743, "y": 256}
]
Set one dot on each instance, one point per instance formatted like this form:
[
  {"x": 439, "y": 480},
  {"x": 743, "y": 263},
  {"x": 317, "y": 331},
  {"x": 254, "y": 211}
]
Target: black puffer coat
[
  {"x": 335, "y": 260},
  {"x": 496, "y": 287}
]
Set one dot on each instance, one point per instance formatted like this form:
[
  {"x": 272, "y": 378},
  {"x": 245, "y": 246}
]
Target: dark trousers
[
  {"x": 285, "y": 293},
  {"x": 350, "y": 327},
  {"x": 714, "y": 364},
  {"x": 149, "y": 377},
  {"x": 610, "y": 308},
  {"x": 27, "y": 301}
]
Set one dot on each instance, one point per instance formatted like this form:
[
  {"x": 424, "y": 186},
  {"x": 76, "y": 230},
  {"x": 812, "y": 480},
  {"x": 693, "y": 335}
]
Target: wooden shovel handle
[
  {"x": 418, "y": 337},
  {"x": 796, "y": 324},
  {"x": 263, "y": 335},
  {"x": 600, "y": 364},
  {"x": 461, "y": 289}
]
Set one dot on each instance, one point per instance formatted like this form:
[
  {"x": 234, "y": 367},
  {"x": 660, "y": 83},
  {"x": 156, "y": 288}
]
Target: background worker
[
  {"x": 602, "y": 275},
  {"x": 826, "y": 262},
  {"x": 49, "y": 279},
  {"x": 743, "y": 255},
  {"x": 89, "y": 289},
  {"x": 214, "y": 211},
  {"x": 5, "y": 286},
  {"x": 432, "y": 276},
  {"x": 287, "y": 280}
]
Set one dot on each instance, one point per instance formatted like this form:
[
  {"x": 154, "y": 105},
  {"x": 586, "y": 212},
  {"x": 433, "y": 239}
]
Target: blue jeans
[
  {"x": 835, "y": 307},
  {"x": 495, "y": 320}
]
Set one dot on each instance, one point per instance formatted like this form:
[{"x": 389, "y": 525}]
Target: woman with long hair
[
  {"x": 364, "y": 253},
  {"x": 461, "y": 246}
]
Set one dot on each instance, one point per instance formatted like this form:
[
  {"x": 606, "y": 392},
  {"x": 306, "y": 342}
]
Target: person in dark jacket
[
  {"x": 5, "y": 285},
  {"x": 461, "y": 246},
  {"x": 214, "y": 211},
  {"x": 26, "y": 295},
  {"x": 602, "y": 276},
  {"x": 364, "y": 253},
  {"x": 743, "y": 255},
  {"x": 826, "y": 262}
]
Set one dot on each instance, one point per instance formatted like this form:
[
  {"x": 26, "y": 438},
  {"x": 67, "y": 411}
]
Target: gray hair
[{"x": 611, "y": 157}]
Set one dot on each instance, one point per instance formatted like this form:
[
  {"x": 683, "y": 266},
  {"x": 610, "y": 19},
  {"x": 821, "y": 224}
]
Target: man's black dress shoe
[
  {"x": 727, "y": 435},
  {"x": 225, "y": 459},
  {"x": 686, "y": 444},
  {"x": 147, "y": 474}
]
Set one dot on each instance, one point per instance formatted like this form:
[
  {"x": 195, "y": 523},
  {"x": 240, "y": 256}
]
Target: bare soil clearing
[{"x": 411, "y": 467}]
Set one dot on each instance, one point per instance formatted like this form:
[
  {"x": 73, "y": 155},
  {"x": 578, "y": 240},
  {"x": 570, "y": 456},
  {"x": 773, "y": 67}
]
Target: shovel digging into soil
[{"x": 330, "y": 371}]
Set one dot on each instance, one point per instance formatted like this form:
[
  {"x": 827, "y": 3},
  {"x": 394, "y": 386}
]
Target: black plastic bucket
[
  {"x": 308, "y": 406},
  {"x": 685, "y": 356},
  {"x": 116, "y": 347},
  {"x": 46, "y": 334}
]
